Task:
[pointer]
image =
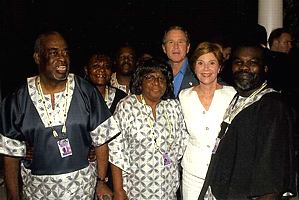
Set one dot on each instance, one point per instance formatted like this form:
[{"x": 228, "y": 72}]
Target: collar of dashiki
[{"x": 239, "y": 103}]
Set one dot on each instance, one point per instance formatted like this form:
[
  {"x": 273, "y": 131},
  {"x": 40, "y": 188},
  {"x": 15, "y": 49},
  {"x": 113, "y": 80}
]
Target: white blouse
[{"x": 203, "y": 126}]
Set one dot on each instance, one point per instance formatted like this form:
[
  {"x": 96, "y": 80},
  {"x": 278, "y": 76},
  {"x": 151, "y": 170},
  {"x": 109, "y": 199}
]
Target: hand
[
  {"x": 103, "y": 191},
  {"x": 120, "y": 195}
]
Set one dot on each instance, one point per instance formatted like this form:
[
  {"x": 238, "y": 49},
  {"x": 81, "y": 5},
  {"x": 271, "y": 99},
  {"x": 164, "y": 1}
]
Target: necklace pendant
[
  {"x": 63, "y": 129},
  {"x": 55, "y": 133}
]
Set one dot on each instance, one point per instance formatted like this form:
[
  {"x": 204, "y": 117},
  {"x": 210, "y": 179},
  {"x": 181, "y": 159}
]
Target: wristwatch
[{"x": 105, "y": 180}]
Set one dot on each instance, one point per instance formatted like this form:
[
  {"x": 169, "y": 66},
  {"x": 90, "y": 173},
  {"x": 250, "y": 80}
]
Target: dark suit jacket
[{"x": 189, "y": 79}]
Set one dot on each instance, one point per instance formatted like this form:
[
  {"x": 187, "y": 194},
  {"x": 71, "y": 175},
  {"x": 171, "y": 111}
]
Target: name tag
[
  {"x": 64, "y": 147},
  {"x": 167, "y": 160}
]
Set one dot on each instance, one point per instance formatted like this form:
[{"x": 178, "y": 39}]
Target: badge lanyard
[
  {"x": 50, "y": 122},
  {"x": 63, "y": 144}
]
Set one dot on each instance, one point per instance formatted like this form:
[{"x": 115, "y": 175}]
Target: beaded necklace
[{"x": 50, "y": 122}]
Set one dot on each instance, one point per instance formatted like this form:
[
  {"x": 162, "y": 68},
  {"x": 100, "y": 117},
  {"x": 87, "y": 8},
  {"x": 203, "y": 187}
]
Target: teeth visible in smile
[{"x": 62, "y": 67}]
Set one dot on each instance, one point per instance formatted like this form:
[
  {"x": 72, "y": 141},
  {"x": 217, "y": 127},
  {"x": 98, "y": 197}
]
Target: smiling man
[{"x": 47, "y": 127}]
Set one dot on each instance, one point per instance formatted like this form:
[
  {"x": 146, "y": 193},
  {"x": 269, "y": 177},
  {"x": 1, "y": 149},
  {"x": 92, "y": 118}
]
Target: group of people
[{"x": 153, "y": 129}]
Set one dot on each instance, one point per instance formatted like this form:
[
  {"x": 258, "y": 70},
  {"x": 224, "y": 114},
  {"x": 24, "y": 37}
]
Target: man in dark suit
[
  {"x": 176, "y": 45},
  {"x": 278, "y": 59}
]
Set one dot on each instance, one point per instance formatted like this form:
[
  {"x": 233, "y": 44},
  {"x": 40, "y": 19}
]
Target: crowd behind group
[{"x": 218, "y": 124}]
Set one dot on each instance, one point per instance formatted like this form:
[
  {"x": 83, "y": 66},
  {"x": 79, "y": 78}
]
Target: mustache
[
  {"x": 126, "y": 62},
  {"x": 244, "y": 74}
]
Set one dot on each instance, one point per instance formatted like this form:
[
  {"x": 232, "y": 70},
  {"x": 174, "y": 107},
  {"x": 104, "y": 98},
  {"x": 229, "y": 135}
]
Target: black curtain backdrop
[{"x": 90, "y": 25}]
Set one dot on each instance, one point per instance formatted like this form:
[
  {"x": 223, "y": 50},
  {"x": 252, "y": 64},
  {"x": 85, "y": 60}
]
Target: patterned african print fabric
[
  {"x": 140, "y": 147},
  {"x": 24, "y": 120},
  {"x": 114, "y": 96},
  {"x": 74, "y": 185},
  {"x": 114, "y": 83}
]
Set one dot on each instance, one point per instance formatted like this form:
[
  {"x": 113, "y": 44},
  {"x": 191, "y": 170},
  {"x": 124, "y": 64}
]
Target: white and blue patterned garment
[
  {"x": 25, "y": 121},
  {"x": 139, "y": 149},
  {"x": 114, "y": 83}
]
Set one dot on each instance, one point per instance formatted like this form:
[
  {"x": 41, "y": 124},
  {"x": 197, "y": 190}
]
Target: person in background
[
  {"x": 279, "y": 61},
  {"x": 176, "y": 45},
  {"x": 145, "y": 157},
  {"x": 280, "y": 40},
  {"x": 203, "y": 108},
  {"x": 57, "y": 115},
  {"x": 254, "y": 155},
  {"x": 283, "y": 62},
  {"x": 146, "y": 55},
  {"x": 224, "y": 76},
  {"x": 98, "y": 71},
  {"x": 125, "y": 64}
]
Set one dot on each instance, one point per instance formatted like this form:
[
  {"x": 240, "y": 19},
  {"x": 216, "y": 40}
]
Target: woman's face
[
  {"x": 153, "y": 86},
  {"x": 207, "y": 68},
  {"x": 99, "y": 71}
]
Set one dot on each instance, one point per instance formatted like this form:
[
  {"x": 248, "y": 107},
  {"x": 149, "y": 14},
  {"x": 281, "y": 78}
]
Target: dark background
[{"x": 106, "y": 24}]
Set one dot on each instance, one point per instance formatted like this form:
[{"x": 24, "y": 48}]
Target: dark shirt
[
  {"x": 256, "y": 156},
  {"x": 21, "y": 121},
  {"x": 279, "y": 70}
]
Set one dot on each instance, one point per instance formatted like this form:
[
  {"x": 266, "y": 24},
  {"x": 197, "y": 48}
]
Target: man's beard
[{"x": 246, "y": 81}]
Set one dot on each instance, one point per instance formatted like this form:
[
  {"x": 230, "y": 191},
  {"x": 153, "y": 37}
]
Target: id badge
[
  {"x": 64, "y": 147},
  {"x": 167, "y": 160},
  {"x": 216, "y": 145}
]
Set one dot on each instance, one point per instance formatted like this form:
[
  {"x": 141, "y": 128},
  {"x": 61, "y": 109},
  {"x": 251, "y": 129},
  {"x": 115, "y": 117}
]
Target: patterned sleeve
[
  {"x": 11, "y": 138},
  {"x": 101, "y": 119},
  {"x": 117, "y": 145}
]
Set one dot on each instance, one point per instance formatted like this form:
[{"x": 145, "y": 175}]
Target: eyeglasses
[{"x": 152, "y": 78}]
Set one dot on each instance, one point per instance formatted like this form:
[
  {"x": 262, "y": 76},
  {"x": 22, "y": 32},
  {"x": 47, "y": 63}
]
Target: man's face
[
  {"x": 248, "y": 69},
  {"x": 176, "y": 46},
  {"x": 283, "y": 43},
  {"x": 53, "y": 59},
  {"x": 126, "y": 61}
]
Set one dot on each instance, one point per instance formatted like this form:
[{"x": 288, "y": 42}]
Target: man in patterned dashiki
[
  {"x": 146, "y": 155},
  {"x": 58, "y": 115}
]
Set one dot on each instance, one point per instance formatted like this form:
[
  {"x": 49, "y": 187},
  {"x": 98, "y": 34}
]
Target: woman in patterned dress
[{"x": 145, "y": 156}]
